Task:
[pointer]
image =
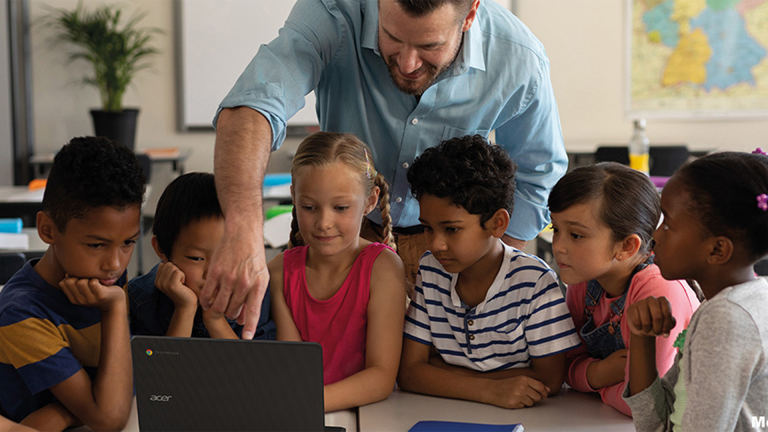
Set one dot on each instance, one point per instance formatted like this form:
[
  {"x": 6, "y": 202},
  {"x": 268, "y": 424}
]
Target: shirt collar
[
  {"x": 471, "y": 52},
  {"x": 370, "y": 28}
]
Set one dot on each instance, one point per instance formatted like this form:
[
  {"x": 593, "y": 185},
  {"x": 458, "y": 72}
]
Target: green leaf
[{"x": 115, "y": 51}]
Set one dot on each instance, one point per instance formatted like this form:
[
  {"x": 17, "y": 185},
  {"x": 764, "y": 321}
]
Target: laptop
[{"x": 194, "y": 384}]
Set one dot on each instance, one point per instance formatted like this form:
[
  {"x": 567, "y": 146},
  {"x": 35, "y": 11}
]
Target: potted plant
[{"x": 116, "y": 51}]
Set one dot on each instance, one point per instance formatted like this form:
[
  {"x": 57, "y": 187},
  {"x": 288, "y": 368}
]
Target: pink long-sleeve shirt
[{"x": 647, "y": 282}]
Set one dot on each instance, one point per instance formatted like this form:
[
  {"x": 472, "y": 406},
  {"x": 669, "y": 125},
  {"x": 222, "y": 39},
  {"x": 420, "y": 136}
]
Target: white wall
[
  {"x": 61, "y": 104},
  {"x": 584, "y": 40}
]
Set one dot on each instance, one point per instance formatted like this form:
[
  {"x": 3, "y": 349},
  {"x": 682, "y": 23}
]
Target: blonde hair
[{"x": 322, "y": 149}]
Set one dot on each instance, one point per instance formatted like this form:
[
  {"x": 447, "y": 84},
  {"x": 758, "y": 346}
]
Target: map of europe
[{"x": 701, "y": 57}]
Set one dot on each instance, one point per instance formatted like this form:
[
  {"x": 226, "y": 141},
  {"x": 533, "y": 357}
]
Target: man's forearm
[{"x": 243, "y": 143}]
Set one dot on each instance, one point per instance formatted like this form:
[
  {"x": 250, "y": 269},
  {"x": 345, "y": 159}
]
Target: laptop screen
[{"x": 193, "y": 384}]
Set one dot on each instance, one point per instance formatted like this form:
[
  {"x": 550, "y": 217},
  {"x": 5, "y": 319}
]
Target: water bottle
[{"x": 638, "y": 148}]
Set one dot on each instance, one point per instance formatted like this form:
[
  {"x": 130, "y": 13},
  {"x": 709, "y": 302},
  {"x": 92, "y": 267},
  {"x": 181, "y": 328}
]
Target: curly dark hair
[
  {"x": 628, "y": 200},
  {"x": 722, "y": 192},
  {"x": 188, "y": 198},
  {"x": 471, "y": 172},
  {"x": 91, "y": 172}
]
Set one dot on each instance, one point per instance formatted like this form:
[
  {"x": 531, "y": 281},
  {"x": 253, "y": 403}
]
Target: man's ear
[
  {"x": 470, "y": 18},
  {"x": 46, "y": 228},
  {"x": 498, "y": 223},
  {"x": 156, "y": 247},
  {"x": 373, "y": 200},
  {"x": 720, "y": 250},
  {"x": 628, "y": 247}
]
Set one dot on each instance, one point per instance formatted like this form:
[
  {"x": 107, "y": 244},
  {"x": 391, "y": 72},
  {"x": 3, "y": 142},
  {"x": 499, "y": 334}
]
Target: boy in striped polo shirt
[{"x": 487, "y": 322}]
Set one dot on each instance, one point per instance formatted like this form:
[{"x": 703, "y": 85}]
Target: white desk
[
  {"x": 41, "y": 162},
  {"x": 345, "y": 418},
  {"x": 568, "y": 411},
  {"x": 19, "y": 201}
]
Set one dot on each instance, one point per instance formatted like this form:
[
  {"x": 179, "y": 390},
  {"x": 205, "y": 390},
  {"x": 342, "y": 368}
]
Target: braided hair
[{"x": 322, "y": 149}]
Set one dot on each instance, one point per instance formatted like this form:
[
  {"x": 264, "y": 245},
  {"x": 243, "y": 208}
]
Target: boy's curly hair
[
  {"x": 91, "y": 172},
  {"x": 469, "y": 171}
]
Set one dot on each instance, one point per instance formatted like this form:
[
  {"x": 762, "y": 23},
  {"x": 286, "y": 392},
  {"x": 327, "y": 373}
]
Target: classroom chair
[
  {"x": 663, "y": 160},
  {"x": 10, "y": 263},
  {"x": 144, "y": 221}
]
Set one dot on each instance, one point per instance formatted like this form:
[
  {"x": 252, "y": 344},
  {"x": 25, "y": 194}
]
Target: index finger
[{"x": 252, "y": 312}]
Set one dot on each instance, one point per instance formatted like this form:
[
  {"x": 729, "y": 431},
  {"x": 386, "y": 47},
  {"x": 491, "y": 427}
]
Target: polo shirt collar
[{"x": 494, "y": 289}]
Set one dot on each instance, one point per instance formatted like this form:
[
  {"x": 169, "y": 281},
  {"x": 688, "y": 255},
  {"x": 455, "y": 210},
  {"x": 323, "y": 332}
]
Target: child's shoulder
[
  {"x": 735, "y": 314},
  {"x": 521, "y": 265},
  {"x": 28, "y": 301},
  {"x": 26, "y": 290},
  {"x": 650, "y": 282},
  {"x": 275, "y": 268},
  {"x": 751, "y": 297},
  {"x": 142, "y": 288},
  {"x": 384, "y": 256}
]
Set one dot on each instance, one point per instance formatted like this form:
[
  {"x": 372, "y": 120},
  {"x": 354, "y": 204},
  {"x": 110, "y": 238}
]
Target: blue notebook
[{"x": 449, "y": 426}]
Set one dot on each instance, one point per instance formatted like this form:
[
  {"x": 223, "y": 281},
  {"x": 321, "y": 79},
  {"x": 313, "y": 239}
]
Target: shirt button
[
  {"x": 471, "y": 322},
  {"x": 415, "y": 121},
  {"x": 405, "y": 165},
  {"x": 398, "y": 200},
  {"x": 471, "y": 337}
]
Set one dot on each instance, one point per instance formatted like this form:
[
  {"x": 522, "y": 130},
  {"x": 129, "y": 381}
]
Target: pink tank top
[{"x": 340, "y": 323}]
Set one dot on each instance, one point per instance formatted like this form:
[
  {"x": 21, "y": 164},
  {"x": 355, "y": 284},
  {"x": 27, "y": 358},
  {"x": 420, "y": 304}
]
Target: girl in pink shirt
[
  {"x": 333, "y": 287},
  {"x": 603, "y": 218}
]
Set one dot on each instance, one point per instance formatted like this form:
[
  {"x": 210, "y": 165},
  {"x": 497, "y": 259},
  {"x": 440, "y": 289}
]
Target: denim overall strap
[{"x": 606, "y": 339}]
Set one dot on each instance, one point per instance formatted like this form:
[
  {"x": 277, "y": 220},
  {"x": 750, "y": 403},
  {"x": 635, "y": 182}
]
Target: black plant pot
[{"x": 117, "y": 126}]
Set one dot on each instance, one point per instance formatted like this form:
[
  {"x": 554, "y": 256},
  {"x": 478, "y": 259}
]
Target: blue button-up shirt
[{"x": 499, "y": 81}]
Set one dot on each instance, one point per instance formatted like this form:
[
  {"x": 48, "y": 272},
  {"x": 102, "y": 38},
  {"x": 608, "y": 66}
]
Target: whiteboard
[{"x": 216, "y": 41}]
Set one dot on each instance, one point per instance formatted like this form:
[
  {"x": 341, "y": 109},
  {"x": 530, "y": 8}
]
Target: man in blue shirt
[{"x": 402, "y": 75}]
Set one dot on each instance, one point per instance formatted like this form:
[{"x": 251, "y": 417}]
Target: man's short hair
[
  {"x": 188, "y": 198},
  {"x": 470, "y": 172},
  {"x": 420, "y": 8},
  {"x": 91, "y": 172}
]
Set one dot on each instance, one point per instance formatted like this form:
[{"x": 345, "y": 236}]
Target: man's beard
[
  {"x": 432, "y": 72},
  {"x": 410, "y": 87}
]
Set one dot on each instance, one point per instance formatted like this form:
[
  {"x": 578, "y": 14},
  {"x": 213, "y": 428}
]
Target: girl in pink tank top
[{"x": 333, "y": 287}]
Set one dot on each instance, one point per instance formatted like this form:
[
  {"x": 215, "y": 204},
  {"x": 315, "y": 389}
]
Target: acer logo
[{"x": 160, "y": 398}]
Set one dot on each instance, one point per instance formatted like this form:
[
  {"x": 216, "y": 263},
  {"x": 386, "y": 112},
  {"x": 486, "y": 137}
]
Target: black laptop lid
[{"x": 191, "y": 384}]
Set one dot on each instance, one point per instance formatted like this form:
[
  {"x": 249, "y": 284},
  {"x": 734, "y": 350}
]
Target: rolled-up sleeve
[{"x": 534, "y": 140}]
